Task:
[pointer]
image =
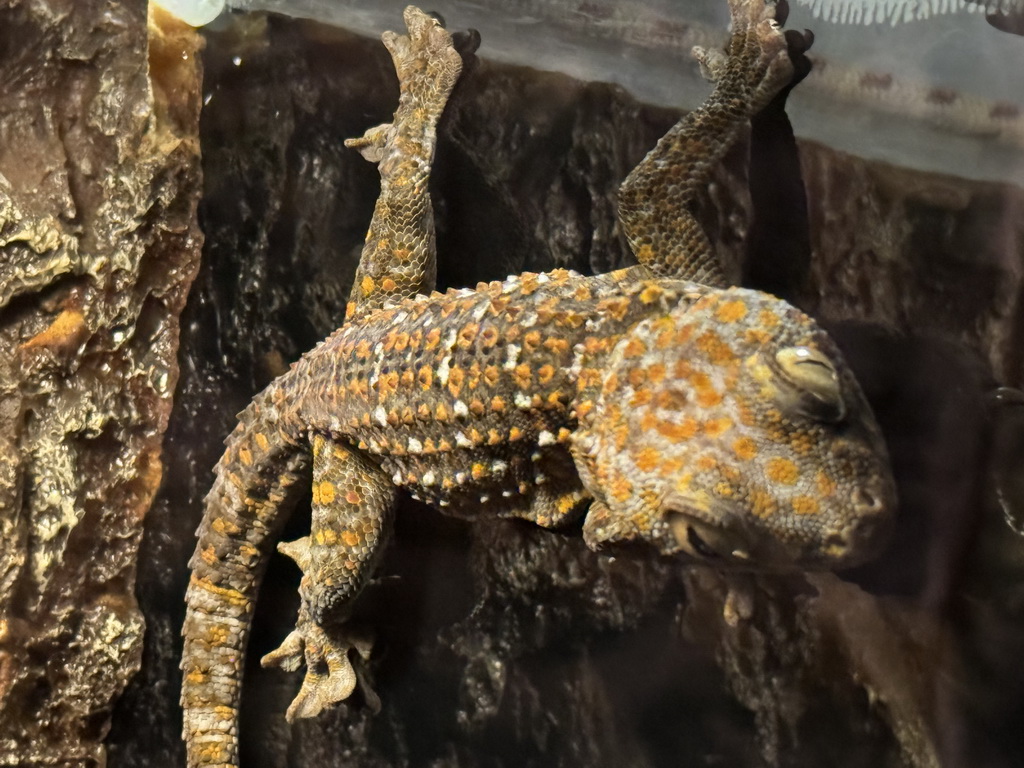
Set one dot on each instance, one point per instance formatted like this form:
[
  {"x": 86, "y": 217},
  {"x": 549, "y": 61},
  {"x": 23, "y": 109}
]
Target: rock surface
[{"x": 99, "y": 179}]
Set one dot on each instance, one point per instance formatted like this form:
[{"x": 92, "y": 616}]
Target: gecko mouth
[
  {"x": 717, "y": 535},
  {"x": 710, "y": 534}
]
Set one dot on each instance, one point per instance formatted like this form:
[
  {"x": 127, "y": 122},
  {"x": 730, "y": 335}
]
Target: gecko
[{"x": 653, "y": 407}]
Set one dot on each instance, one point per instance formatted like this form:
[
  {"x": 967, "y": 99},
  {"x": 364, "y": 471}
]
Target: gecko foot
[
  {"x": 756, "y": 60},
  {"x": 331, "y": 676},
  {"x": 428, "y": 64}
]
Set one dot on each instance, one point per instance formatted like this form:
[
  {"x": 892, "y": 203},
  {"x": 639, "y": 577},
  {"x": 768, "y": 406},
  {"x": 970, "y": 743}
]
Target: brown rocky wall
[{"x": 99, "y": 181}]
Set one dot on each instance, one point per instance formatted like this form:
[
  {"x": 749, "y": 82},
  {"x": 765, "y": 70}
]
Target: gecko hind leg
[
  {"x": 655, "y": 199},
  {"x": 399, "y": 259},
  {"x": 352, "y": 502}
]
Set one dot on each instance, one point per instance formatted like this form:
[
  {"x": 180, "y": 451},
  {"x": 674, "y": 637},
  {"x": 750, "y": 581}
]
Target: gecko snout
[{"x": 868, "y": 523}]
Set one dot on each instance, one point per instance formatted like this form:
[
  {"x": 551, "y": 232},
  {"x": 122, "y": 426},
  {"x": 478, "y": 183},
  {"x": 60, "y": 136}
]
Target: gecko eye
[{"x": 816, "y": 382}]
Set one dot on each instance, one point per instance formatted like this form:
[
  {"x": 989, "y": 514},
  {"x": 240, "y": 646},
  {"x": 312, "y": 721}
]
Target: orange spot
[
  {"x": 367, "y": 285},
  {"x": 782, "y": 471},
  {"x": 351, "y": 538},
  {"x": 225, "y": 527},
  {"x": 425, "y": 376},
  {"x": 615, "y": 307},
  {"x": 805, "y": 505},
  {"x": 566, "y": 503},
  {"x": 641, "y": 397},
  {"x": 388, "y": 284},
  {"x": 636, "y": 377},
  {"x": 651, "y": 293},
  {"x": 717, "y": 427},
  {"x": 767, "y": 319},
  {"x": 684, "y": 430},
  {"x": 621, "y": 489},
  {"x": 326, "y": 492},
  {"x": 479, "y": 471},
  {"x": 762, "y": 504},
  {"x": 584, "y": 408},
  {"x": 545, "y": 373},
  {"x": 217, "y": 634},
  {"x": 591, "y": 377},
  {"x": 232, "y": 596},
  {"x": 245, "y": 456},
  {"x": 647, "y": 458},
  {"x": 497, "y": 404},
  {"x": 706, "y": 463},
  {"x": 556, "y": 345},
  {"x": 754, "y": 336},
  {"x": 745, "y": 448},
  {"x": 261, "y": 441},
  {"x": 731, "y": 311},
  {"x": 531, "y": 341},
  {"x": 353, "y": 497},
  {"x": 634, "y": 348},
  {"x": 467, "y": 335},
  {"x": 708, "y": 398},
  {"x": 325, "y": 537},
  {"x": 714, "y": 349},
  {"x": 523, "y": 376},
  {"x": 209, "y": 556},
  {"x": 455, "y": 378}
]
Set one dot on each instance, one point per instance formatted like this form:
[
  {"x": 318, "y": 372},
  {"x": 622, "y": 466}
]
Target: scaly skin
[{"x": 713, "y": 423}]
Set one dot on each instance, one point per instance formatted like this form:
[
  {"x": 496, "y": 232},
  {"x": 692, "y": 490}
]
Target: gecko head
[{"x": 731, "y": 430}]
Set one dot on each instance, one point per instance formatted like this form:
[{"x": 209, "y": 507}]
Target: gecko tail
[{"x": 252, "y": 495}]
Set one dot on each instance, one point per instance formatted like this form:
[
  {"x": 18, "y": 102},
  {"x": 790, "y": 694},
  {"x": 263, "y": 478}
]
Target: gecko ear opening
[{"x": 816, "y": 383}]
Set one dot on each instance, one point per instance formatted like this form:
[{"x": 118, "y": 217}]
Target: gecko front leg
[
  {"x": 655, "y": 199},
  {"x": 399, "y": 260}
]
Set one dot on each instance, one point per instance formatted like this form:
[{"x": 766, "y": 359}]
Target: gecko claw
[{"x": 757, "y": 52}]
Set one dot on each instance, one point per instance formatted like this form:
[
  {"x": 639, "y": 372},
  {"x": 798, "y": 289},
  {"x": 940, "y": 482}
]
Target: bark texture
[{"x": 99, "y": 180}]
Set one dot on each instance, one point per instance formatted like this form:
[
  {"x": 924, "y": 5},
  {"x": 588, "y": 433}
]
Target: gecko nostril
[{"x": 865, "y": 501}]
